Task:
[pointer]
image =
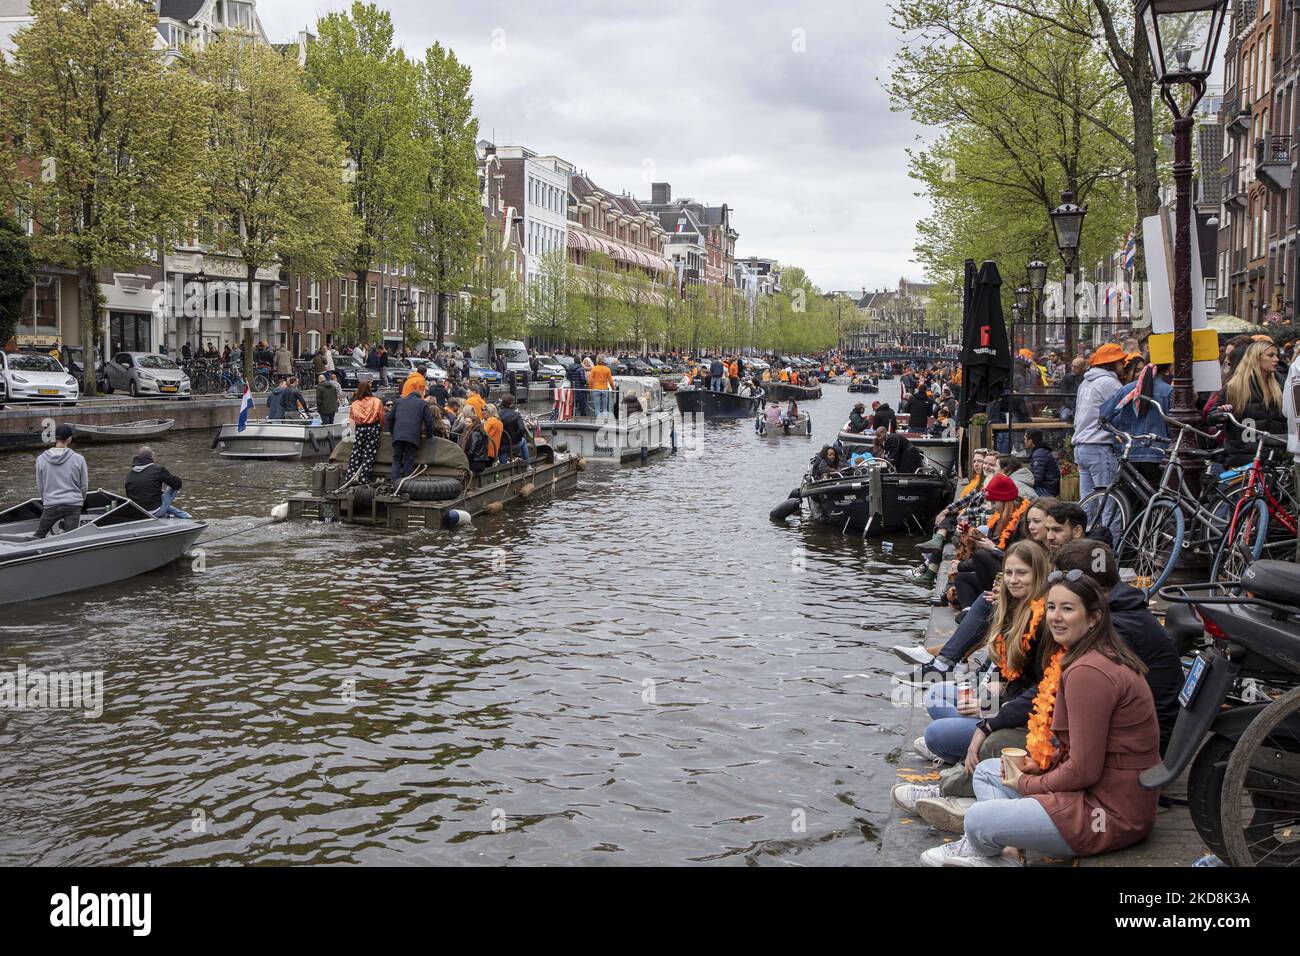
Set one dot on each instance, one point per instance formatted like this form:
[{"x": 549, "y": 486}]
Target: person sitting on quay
[
  {"x": 1042, "y": 464},
  {"x": 62, "y": 483},
  {"x": 408, "y": 422},
  {"x": 152, "y": 486},
  {"x": 957, "y": 732},
  {"x": 979, "y": 557},
  {"x": 1066, "y": 522},
  {"x": 1093, "y": 730},
  {"x": 1016, "y": 469}
]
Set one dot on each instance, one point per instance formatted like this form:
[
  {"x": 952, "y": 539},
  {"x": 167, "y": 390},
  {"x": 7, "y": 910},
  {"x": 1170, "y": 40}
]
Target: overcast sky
[{"x": 714, "y": 98}]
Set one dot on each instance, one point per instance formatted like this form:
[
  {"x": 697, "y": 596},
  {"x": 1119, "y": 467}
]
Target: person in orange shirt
[
  {"x": 600, "y": 380},
  {"x": 492, "y": 427},
  {"x": 476, "y": 401},
  {"x": 733, "y": 373},
  {"x": 415, "y": 382}
]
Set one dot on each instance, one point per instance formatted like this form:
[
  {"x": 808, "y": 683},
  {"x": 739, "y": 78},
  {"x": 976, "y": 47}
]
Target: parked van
[{"x": 516, "y": 355}]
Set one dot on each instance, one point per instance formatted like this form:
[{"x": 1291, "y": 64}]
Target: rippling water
[{"x": 643, "y": 671}]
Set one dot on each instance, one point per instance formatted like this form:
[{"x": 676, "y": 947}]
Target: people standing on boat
[
  {"x": 773, "y": 417},
  {"x": 733, "y": 375},
  {"x": 516, "y": 432},
  {"x": 283, "y": 362},
  {"x": 408, "y": 422},
  {"x": 285, "y": 400},
  {"x": 716, "y": 373},
  {"x": 415, "y": 382},
  {"x": 327, "y": 400},
  {"x": 473, "y": 441},
  {"x": 882, "y": 417},
  {"x": 493, "y": 428},
  {"x": 366, "y": 413},
  {"x": 577, "y": 375},
  {"x": 919, "y": 409},
  {"x": 601, "y": 382},
  {"x": 476, "y": 401},
  {"x": 62, "y": 483},
  {"x": 152, "y": 486}
]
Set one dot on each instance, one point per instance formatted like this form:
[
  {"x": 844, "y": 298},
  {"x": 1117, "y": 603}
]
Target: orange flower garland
[
  {"x": 999, "y": 643},
  {"x": 1039, "y": 742},
  {"x": 1012, "y": 523}
]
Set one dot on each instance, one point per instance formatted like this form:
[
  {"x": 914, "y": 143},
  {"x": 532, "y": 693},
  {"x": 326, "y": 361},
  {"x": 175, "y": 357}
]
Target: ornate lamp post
[
  {"x": 1024, "y": 307},
  {"x": 202, "y": 277},
  {"x": 1067, "y": 220},
  {"x": 1181, "y": 37},
  {"x": 1036, "y": 269},
  {"x": 404, "y": 313}
]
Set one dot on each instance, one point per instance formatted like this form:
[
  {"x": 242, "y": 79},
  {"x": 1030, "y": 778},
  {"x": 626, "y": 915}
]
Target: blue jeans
[
  {"x": 969, "y": 631},
  {"x": 715, "y": 383},
  {"x": 949, "y": 734},
  {"x": 1097, "y": 467},
  {"x": 600, "y": 398},
  {"x": 1001, "y": 817},
  {"x": 521, "y": 448},
  {"x": 166, "y": 510}
]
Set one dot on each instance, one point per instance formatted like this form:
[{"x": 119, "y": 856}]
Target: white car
[
  {"x": 434, "y": 372},
  {"x": 36, "y": 377},
  {"x": 147, "y": 374}
]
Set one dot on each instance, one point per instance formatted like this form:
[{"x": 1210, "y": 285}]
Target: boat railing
[{"x": 601, "y": 405}]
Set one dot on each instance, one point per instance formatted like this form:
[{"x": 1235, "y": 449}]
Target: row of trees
[
  {"x": 117, "y": 156},
  {"x": 1031, "y": 99},
  {"x": 596, "y": 307}
]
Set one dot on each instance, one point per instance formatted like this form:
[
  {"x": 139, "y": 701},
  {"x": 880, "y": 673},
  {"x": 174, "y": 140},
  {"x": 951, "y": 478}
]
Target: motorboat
[
  {"x": 873, "y": 498},
  {"x": 123, "y": 431},
  {"x": 638, "y": 424},
  {"x": 940, "y": 453},
  {"x": 801, "y": 425},
  {"x": 282, "y": 438},
  {"x": 784, "y": 391},
  {"x": 115, "y": 539},
  {"x": 864, "y": 385},
  {"x": 711, "y": 404}
]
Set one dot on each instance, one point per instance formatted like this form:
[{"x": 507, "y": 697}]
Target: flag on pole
[
  {"x": 1130, "y": 251},
  {"x": 245, "y": 406}
]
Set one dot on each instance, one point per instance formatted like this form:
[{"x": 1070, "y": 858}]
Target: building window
[
  {"x": 297, "y": 294},
  {"x": 328, "y": 286},
  {"x": 313, "y": 296},
  {"x": 374, "y": 299}
]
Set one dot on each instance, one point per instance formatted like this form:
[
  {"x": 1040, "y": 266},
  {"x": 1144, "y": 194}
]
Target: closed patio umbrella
[{"x": 985, "y": 351}]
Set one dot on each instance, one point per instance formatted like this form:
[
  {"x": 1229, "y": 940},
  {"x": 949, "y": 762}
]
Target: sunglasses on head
[{"x": 1056, "y": 577}]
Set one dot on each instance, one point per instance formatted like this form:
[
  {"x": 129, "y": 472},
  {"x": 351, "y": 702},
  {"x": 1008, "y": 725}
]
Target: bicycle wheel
[
  {"x": 1152, "y": 544},
  {"x": 1111, "y": 510},
  {"x": 1241, "y": 546},
  {"x": 260, "y": 383},
  {"x": 1261, "y": 789}
]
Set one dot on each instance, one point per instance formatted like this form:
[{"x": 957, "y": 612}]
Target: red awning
[{"x": 578, "y": 241}]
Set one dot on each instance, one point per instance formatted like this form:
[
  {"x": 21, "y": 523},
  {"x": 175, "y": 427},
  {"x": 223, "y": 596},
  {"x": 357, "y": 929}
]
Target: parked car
[
  {"x": 36, "y": 377},
  {"x": 634, "y": 366},
  {"x": 566, "y": 361},
  {"x": 616, "y": 365},
  {"x": 350, "y": 374},
  {"x": 147, "y": 374},
  {"x": 74, "y": 360},
  {"x": 477, "y": 370},
  {"x": 550, "y": 369}
]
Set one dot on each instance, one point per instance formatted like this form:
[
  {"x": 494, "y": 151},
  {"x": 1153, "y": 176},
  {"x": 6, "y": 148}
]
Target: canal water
[{"x": 643, "y": 671}]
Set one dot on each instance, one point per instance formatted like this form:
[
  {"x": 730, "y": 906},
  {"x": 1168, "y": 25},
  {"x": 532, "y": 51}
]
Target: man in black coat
[
  {"x": 1047, "y": 473},
  {"x": 1134, "y": 623},
  {"x": 152, "y": 486},
  {"x": 883, "y": 417},
  {"x": 514, "y": 434},
  {"x": 919, "y": 408},
  {"x": 901, "y": 453},
  {"x": 408, "y": 422}
]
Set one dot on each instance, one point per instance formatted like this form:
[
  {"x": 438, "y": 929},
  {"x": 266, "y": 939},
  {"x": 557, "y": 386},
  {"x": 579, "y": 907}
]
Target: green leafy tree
[
  {"x": 495, "y": 306},
  {"x": 449, "y": 209},
  {"x": 273, "y": 166},
  {"x": 600, "y": 313},
  {"x": 373, "y": 91},
  {"x": 548, "y": 298},
  {"x": 100, "y": 142},
  {"x": 641, "y": 303},
  {"x": 17, "y": 272}
]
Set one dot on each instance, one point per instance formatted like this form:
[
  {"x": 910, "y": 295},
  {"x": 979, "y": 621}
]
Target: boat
[
  {"x": 863, "y": 385},
  {"x": 711, "y": 404},
  {"x": 801, "y": 426},
  {"x": 873, "y": 498},
  {"x": 282, "y": 438},
  {"x": 941, "y": 453},
  {"x": 22, "y": 441},
  {"x": 783, "y": 391},
  {"x": 124, "y": 431},
  {"x": 640, "y": 426},
  {"x": 440, "y": 493},
  {"x": 115, "y": 539}
]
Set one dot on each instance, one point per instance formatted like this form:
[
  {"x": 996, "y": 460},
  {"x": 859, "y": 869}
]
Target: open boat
[
  {"x": 863, "y": 385},
  {"x": 711, "y": 404},
  {"x": 124, "y": 431},
  {"x": 785, "y": 390},
  {"x": 282, "y": 438},
  {"x": 873, "y": 498},
  {"x": 116, "y": 539},
  {"x": 939, "y": 453},
  {"x": 638, "y": 426},
  {"x": 802, "y": 425}
]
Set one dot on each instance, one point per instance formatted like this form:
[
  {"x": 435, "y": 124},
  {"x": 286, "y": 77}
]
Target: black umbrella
[{"x": 985, "y": 351}]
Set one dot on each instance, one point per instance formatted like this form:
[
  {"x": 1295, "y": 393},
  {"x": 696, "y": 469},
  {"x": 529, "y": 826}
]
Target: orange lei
[
  {"x": 1012, "y": 523},
  {"x": 1026, "y": 642},
  {"x": 1039, "y": 742}
]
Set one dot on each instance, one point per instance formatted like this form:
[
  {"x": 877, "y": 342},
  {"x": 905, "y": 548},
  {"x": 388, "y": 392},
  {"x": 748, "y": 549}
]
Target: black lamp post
[
  {"x": 1181, "y": 37},
  {"x": 404, "y": 311},
  {"x": 1036, "y": 269},
  {"x": 202, "y": 277},
  {"x": 1067, "y": 220}
]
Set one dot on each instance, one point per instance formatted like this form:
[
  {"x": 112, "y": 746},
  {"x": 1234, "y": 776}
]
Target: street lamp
[
  {"x": 1067, "y": 220},
  {"x": 202, "y": 277},
  {"x": 404, "y": 311},
  {"x": 1036, "y": 269},
  {"x": 1181, "y": 37}
]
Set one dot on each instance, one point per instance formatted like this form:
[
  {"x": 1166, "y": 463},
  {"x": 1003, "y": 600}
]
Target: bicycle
[
  {"x": 1113, "y": 506},
  {"x": 1256, "y": 510}
]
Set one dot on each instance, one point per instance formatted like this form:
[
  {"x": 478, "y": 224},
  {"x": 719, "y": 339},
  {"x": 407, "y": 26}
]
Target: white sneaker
[
  {"x": 959, "y": 853},
  {"x": 905, "y": 795},
  {"x": 912, "y": 654},
  {"x": 944, "y": 813},
  {"x": 924, "y": 752}
]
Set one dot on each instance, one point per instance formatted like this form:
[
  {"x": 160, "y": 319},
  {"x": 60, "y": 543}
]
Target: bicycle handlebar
[
  {"x": 1175, "y": 422},
  {"x": 1266, "y": 437}
]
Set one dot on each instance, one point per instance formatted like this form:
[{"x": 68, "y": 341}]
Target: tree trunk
[
  {"x": 88, "y": 285},
  {"x": 363, "y": 306}
]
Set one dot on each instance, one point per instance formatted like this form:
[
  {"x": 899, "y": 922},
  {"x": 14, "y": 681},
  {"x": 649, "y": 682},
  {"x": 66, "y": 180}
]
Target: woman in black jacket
[
  {"x": 857, "y": 421},
  {"x": 1254, "y": 398}
]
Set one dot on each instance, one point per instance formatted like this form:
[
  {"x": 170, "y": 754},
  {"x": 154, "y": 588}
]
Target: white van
[{"x": 516, "y": 355}]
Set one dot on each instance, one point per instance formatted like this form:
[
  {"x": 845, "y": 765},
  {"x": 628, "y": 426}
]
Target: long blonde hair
[
  {"x": 1011, "y": 616},
  {"x": 1250, "y": 379}
]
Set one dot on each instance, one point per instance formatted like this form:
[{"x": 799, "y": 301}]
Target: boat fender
[
  {"x": 580, "y": 464},
  {"x": 456, "y": 518},
  {"x": 494, "y": 508},
  {"x": 217, "y": 437},
  {"x": 311, "y": 440},
  {"x": 795, "y": 493},
  {"x": 280, "y": 512},
  {"x": 785, "y": 509}
]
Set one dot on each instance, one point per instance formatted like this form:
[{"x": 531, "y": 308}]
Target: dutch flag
[{"x": 245, "y": 406}]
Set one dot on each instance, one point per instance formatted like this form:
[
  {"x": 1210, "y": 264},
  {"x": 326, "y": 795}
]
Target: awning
[{"x": 578, "y": 240}]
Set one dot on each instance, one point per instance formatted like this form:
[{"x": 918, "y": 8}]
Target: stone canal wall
[{"x": 205, "y": 412}]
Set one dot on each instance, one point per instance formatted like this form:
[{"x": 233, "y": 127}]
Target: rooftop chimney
[{"x": 661, "y": 193}]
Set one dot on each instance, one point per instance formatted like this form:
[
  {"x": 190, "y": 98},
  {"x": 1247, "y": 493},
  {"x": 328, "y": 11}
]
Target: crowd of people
[{"x": 1059, "y": 686}]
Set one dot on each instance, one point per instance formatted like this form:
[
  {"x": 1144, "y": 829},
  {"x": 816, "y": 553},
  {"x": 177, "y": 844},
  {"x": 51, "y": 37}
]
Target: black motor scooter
[{"x": 1243, "y": 789}]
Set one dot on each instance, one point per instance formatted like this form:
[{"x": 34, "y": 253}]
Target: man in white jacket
[
  {"x": 1291, "y": 407},
  {"x": 1094, "y": 449}
]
